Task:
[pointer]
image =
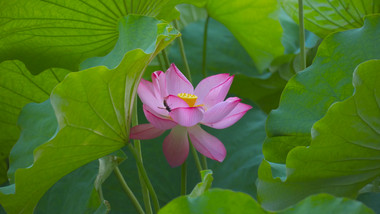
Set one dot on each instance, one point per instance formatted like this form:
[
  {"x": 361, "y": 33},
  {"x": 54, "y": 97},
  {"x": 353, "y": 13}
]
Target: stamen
[{"x": 190, "y": 99}]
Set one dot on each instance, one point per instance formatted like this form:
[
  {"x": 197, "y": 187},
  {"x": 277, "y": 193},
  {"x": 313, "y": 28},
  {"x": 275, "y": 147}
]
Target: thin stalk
[
  {"x": 204, "y": 72},
  {"x": 137, "y": 144},
  {"x": 166, "y": 58},
  {"x": 128, "y": 190},
  {"x": 183, "y": 54},
  {"x": 204, "y": 162},
  {"x": 100, "y": 193},
  {"x": 145, "y": 177},
  {"x": 301, "y": 35},
  {"x": 183, "y": 178},
  {"x": 196, "y": 158},
  {"x": 160, "y": 61}
]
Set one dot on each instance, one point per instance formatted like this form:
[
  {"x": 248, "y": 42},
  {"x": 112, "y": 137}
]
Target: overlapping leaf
[
  {"x": 93, "y": 108},
  {"x": 60, "y": 33},
  {"x": 344, "y": 154},
  {"x": 309, "y": 94},
  {"x": 17, "y": 88},
  {"x": 326, "y": 16},
  {"x": 38, "y": 124}
]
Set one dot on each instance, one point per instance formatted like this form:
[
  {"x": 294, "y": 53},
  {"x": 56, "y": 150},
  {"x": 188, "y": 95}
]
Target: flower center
[{"x": 190, "y": 99}]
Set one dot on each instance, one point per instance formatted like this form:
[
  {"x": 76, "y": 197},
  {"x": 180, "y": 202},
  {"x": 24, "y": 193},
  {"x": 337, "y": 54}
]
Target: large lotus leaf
[
  {"x": 309, "y": 94},
  {"x": 255, "y": 24},
  {"x": 344, "y": 154},
  {"x": 17, "y": 88},
  {"x": 63, "y": 33},
  {"x": 241, "y": 164},
  {"x": 93, "y": 108},
  {"x": 38, "y": 124},
  {"x": 326, "y": 16},
  {"x": 226, "y": 201}
]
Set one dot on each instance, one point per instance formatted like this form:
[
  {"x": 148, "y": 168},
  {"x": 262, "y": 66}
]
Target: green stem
[
  {"x": 145, "y": 177},
  {"x": 183, "y": 54},
  {"x": 204, "y": 162},
  {"x": 100, "y": 193},
  {"x": 166, "y": 58},
  {"x": 204, "y": 72},
  {"x": 160, "y": 61},
  {"x": 184, "y": 59},
  {"x": 301, "y": 35},
  {"x": 137, "y": 144},
  {"x": 128, "y": 190},
  {"x": 196, "y": 158},
  {"x": 183, "y": 178}
]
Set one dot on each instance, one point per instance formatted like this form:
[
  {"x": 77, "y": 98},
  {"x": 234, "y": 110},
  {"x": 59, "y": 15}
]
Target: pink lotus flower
[{"x": 170, "y": 102}]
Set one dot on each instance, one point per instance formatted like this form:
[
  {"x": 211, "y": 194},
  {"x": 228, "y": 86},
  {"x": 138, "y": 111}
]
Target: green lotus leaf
[
  {"x": 214, "y": 201},
  {"x": 38, "y": 124},
  {"x": 93, "y": 109},
  {"x": 324, "y": 17},
  {"x": 78, "y": 30},
  {"x": 308, "y": 95},
  {"x": 226, "y": 201},
  {"x": 17, "y": 88},
  {"x": 324, "y": 203},
  {"x": 61, "y": 33},
  {"x": 344, "y": 154}
]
